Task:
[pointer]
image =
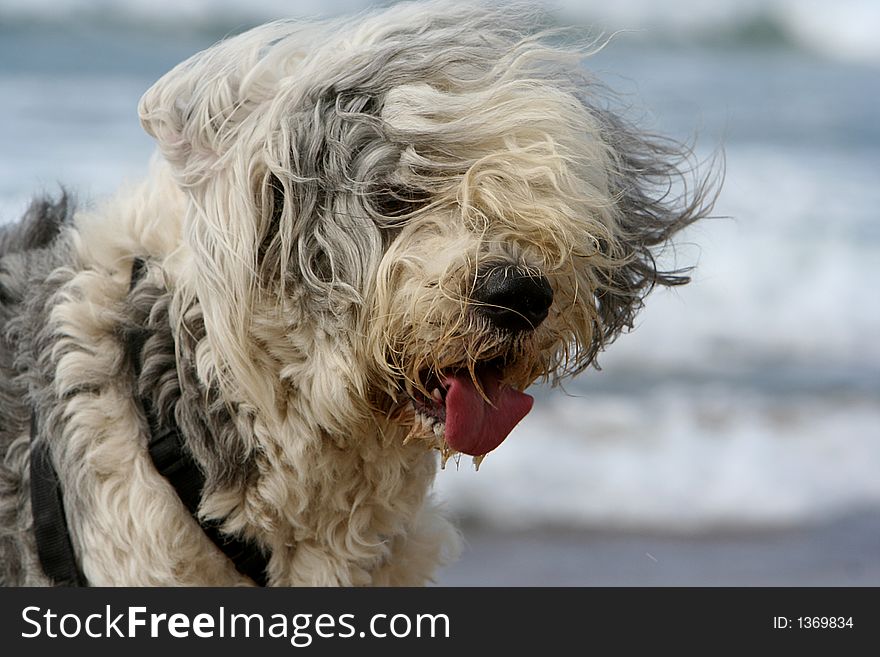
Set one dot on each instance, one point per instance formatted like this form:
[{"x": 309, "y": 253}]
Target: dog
[{"x": 360, "y": 242}]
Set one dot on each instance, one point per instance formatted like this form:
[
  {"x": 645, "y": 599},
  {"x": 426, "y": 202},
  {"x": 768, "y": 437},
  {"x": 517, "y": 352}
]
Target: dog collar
[{"x": 50, "y": 526}]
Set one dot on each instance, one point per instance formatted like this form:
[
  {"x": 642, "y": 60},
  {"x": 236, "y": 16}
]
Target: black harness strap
[
  {"x": 50, "y": 524},
  {"x": 172, "y": 460}
]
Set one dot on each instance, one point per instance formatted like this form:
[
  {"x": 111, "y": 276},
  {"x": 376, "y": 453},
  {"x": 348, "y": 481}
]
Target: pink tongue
[{"x": 475, "y": 427}]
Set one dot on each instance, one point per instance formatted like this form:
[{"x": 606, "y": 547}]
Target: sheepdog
[{"x": 360, "y": 241}]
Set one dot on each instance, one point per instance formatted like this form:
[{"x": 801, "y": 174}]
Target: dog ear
[
  {"x": 205, "y": 116},
  {"x": 659, "y": 188},
  {"x": 186, "y": 110},
  {"x": 196, "y": 110}
]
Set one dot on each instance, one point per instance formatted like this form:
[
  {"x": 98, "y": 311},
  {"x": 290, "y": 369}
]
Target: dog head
[{"x": 411, "y": 216}]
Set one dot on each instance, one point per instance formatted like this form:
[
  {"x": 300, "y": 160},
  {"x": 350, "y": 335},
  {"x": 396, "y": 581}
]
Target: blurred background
[{"x": 734, "y": 437}]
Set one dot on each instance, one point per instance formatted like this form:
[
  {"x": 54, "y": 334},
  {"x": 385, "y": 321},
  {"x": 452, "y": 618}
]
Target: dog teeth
[
  {"x": 436, "y": 395},
  {"x": 431, "y": 430},
  {"x": 446, "y": 452},
  {"x": 413, "y": 432},
  {"x": 424, "y": 423},
  {"x": 477, "y": 461}
]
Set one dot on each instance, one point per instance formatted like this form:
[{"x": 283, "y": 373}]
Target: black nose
[{"x": 513, "y": 298}]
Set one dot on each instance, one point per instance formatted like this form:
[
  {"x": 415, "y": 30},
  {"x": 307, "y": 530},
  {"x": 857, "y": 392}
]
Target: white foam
[
  {"x": 678, "y": 459},
  {"x": 785, "y": 279},
  {"x": 846, "y": 28},
  {"x": 843, "y": 29}
]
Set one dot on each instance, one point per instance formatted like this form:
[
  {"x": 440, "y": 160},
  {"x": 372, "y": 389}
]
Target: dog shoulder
[{"x": 40, "y": 225}]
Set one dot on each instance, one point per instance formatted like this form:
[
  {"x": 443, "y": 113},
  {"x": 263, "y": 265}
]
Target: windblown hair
[
  {"x": 424, "y": 110},
  {"x": 327, "y": 200}
]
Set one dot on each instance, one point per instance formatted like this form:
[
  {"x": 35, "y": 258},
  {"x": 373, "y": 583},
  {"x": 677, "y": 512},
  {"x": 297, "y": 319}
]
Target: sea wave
[
  {"x": 844, "y": 29},
  {"x": 678, "y": 458}
]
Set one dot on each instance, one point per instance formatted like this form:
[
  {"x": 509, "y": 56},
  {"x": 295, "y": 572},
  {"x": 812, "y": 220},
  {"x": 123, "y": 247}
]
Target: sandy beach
[{"x": 841, "y": 552}]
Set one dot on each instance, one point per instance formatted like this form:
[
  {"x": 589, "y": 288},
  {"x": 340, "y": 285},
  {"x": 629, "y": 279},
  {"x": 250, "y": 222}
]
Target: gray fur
[
  {"x": 174, "y": 394},
  {"x": 649, "y": 170},
  {"x": 30, "y": 251}
]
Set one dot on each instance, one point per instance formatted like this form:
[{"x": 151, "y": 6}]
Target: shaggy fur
[{"x": 325, "y": 199}]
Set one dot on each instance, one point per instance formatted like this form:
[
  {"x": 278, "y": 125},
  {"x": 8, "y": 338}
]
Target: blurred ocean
[{"x": 748, "y": 399}]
